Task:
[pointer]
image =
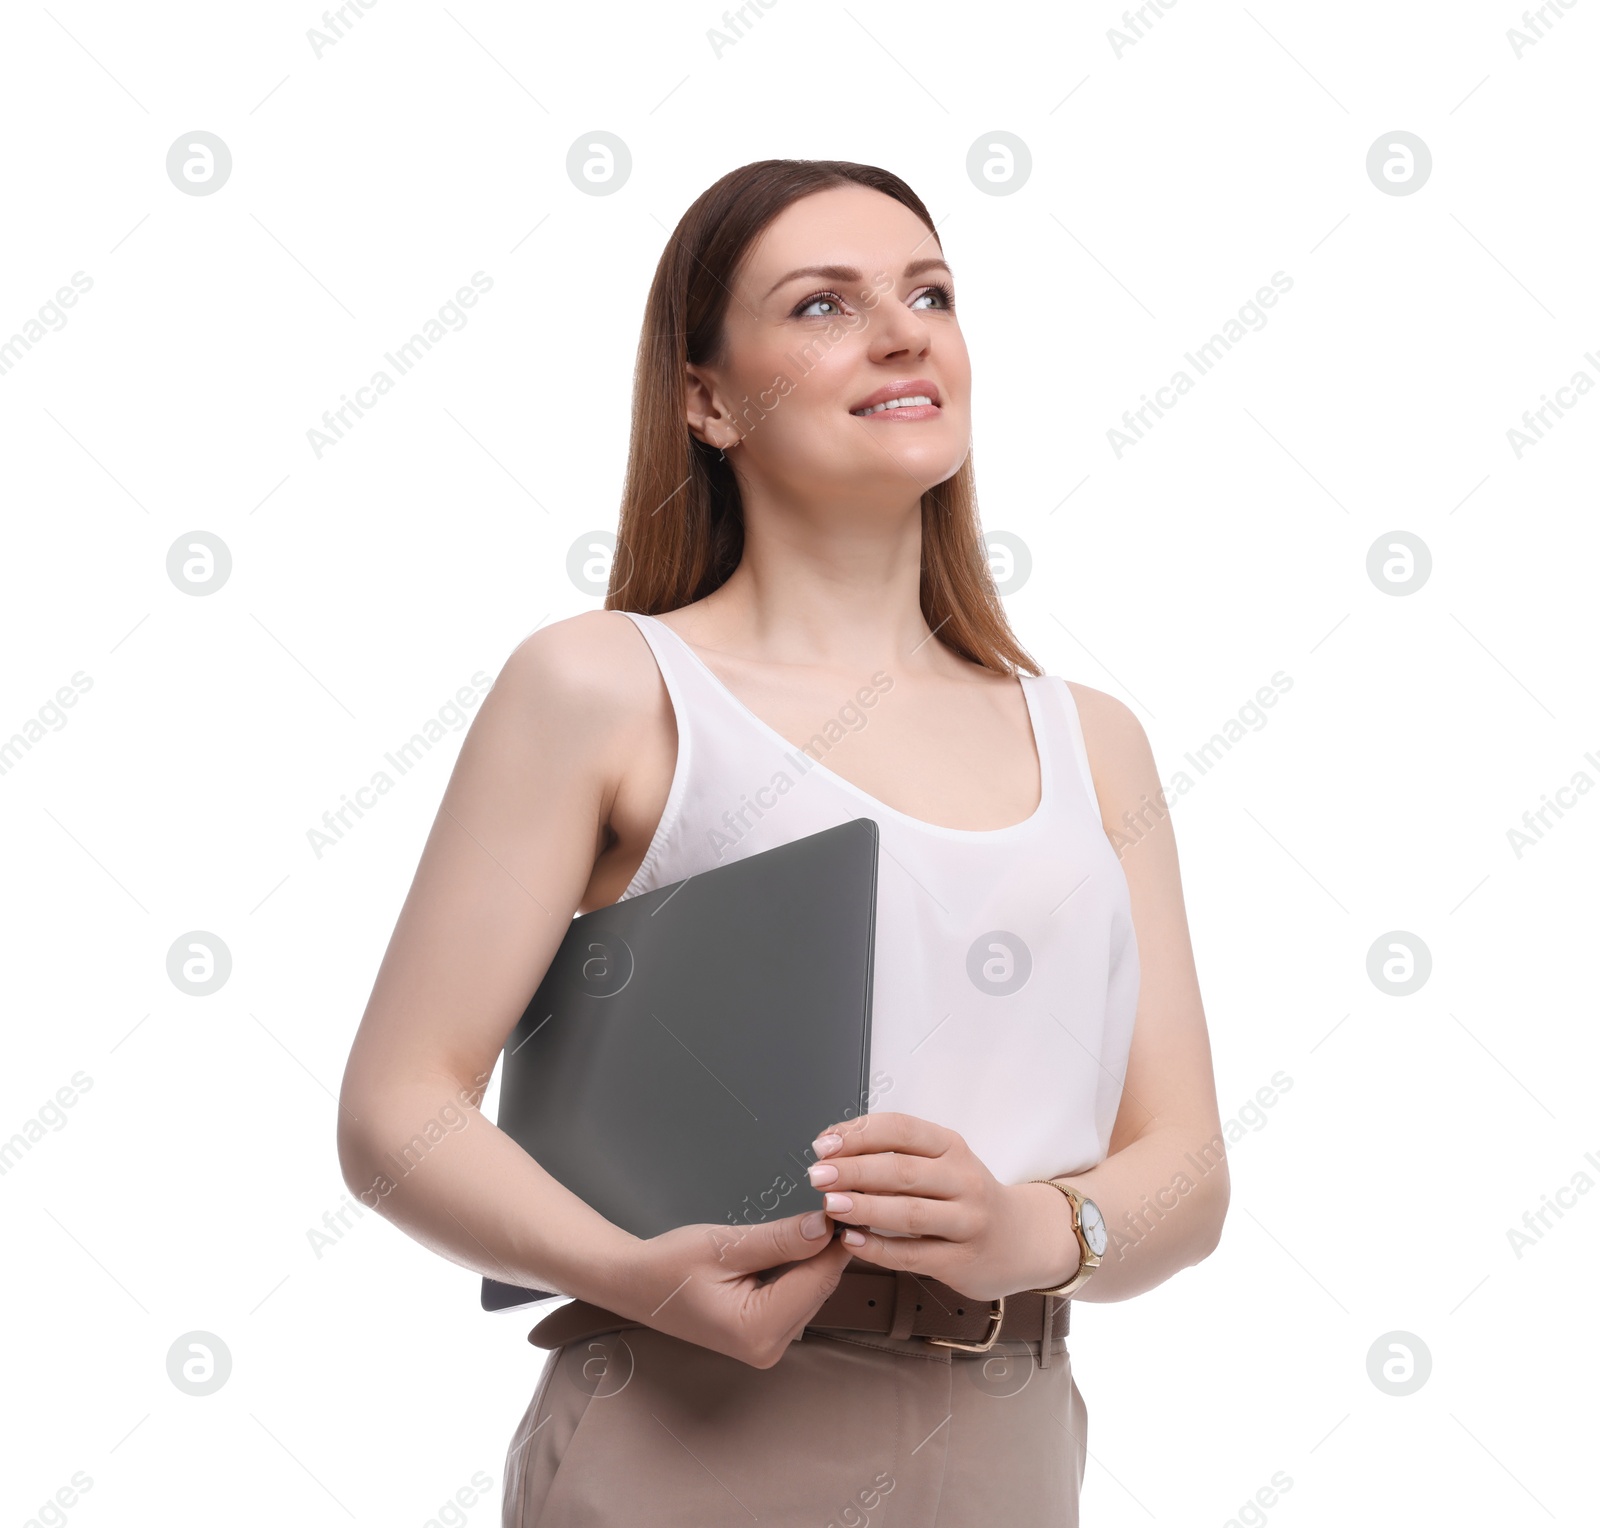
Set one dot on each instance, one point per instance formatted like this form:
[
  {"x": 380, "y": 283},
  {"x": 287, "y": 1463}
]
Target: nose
[{"x": 898, "y": 331}]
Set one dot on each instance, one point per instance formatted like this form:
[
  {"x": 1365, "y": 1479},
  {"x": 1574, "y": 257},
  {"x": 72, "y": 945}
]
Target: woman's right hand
[{"x": 701, "y": 1283}]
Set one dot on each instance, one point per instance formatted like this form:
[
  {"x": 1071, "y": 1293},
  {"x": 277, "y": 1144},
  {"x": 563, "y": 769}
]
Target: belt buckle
[{"x": 996, "y": 1317}]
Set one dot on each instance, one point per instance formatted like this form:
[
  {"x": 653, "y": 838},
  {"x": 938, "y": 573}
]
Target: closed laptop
[{"x": 687, "y": 1044}]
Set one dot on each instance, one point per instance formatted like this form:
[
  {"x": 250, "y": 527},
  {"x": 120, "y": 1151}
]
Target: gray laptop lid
[{"x": 687, "y": 1045}]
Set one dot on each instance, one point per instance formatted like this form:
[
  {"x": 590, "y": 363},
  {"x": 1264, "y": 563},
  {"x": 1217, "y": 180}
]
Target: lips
[{"x": 907, "y": 389}]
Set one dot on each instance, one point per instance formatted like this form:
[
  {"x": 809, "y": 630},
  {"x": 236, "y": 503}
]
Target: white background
[{"x": 1168, "y": 183}]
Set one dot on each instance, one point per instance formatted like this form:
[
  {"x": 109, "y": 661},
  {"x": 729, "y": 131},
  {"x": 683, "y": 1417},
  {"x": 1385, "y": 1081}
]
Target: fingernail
[
  {"x": 837, "y": 1204},
  {"x": 822, "y": 1174},
  {"x": 826, "y": 1145},
  {"x": 813, "y": 1225},
  {"x": 854, "y": 1239}
]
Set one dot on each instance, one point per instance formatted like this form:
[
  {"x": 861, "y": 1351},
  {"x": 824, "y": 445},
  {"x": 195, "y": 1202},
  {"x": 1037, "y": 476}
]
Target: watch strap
[{"x": 1087, "y": 1261}]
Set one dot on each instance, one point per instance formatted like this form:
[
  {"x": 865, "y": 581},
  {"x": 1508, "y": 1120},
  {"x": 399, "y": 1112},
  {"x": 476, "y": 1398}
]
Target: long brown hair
[{"x": 681, "y": 531}]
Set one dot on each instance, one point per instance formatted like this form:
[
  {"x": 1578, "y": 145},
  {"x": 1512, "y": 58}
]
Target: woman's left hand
[{"x": 901, "y": 1173}]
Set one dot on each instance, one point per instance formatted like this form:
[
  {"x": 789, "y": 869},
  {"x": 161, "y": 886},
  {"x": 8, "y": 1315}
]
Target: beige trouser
[{"x": 636, "y": 1429}]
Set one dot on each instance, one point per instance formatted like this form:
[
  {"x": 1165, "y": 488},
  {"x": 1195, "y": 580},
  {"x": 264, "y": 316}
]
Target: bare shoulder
[
  {"x": 591, "y": 668},
  {"x": 577, "y": 704},
  {"x": 1120, "y": 756}
]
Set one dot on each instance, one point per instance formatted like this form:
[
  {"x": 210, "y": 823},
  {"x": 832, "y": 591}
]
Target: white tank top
[{"x": 1006, "y": 969}]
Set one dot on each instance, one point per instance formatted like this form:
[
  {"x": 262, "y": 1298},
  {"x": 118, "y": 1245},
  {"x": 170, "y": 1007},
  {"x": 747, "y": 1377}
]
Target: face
[{"x": 843, "y": 302}]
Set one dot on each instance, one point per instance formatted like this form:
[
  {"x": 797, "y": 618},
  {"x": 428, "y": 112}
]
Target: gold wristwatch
[{"x": 1089, "y": 1226}]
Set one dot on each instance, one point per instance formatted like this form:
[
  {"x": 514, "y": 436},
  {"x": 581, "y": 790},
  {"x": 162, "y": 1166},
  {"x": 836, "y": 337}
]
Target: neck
[{"x": 835, "y": 597}]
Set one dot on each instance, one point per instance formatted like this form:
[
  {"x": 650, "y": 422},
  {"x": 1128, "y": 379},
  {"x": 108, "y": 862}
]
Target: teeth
[{"x": 893, "y": 403}]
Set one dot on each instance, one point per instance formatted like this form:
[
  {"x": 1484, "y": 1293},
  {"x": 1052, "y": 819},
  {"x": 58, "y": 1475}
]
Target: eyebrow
[{"x": 844, "y": 273}]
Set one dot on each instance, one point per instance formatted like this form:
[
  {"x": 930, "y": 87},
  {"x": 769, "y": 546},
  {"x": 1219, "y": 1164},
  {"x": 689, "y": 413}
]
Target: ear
[{"x": 709, "y": 420}]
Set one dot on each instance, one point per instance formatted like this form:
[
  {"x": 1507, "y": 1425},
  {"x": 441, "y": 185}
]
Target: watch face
[{"x": 1094, "y": 1227}]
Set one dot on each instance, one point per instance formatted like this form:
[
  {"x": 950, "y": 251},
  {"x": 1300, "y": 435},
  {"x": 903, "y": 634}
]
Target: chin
[{"x": 932, "y": 465}]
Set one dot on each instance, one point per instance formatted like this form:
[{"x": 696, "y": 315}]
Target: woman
[{"x": 799, "y": 532}]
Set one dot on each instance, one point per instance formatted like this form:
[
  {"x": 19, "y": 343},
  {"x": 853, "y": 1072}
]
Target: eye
[
  {"x": 833, "y": 297},
  {"x": 947, "y": 298}
]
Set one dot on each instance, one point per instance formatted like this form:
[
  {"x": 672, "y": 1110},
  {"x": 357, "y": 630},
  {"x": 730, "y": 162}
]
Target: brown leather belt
[
  {"x": 887, "y": 1302},
  {"x": 894, "y": 1303}
]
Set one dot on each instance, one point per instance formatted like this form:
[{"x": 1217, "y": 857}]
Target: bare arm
[
  {"x": 505, "y": 867},
  {"x": 1163, "y": 1188},
  {"x": 503, "y": 870}
]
